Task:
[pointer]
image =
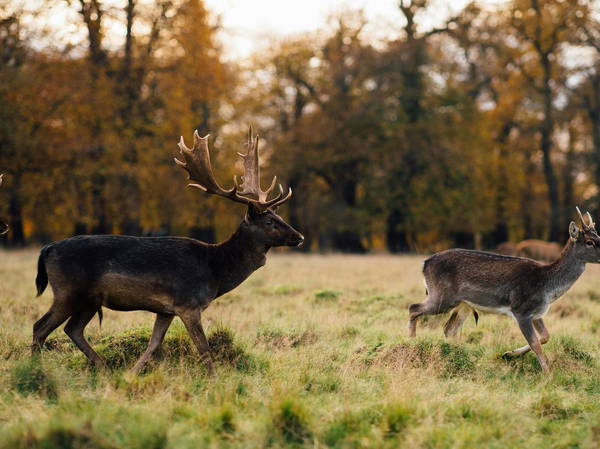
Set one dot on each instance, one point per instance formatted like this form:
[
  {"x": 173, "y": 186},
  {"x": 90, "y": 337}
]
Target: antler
[
  {"x": 196, "y": 161},
  {"x": 591, "y": 224},
  {"x": 251, "y": 179},
  {"x": 197, "y": 164}
]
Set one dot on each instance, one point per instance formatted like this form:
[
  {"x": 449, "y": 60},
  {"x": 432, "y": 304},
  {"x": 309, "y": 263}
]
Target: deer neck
[
  {"x": 563, "y": 272},
  {"x": 238, "y": 257}
]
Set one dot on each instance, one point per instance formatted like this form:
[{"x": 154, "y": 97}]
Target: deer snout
[{"x": 298, "y": 240}]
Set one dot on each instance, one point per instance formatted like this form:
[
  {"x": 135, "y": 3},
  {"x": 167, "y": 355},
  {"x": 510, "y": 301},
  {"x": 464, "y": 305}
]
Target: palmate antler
[
  {"x": 586, "y": 226},
  {"x": 196, "y": 161}
]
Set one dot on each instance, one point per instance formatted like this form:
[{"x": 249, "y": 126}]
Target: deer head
[
  {"x": 3, "y": 226},
  {"x": 585, "y": 239},
  {"x": 261, "y": 218}
]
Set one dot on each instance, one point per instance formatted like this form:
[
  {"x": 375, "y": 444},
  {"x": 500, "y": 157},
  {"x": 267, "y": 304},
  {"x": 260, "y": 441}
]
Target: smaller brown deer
[
  {"x": 3, "y": 226},
  {"x": 521, "y": 288}
]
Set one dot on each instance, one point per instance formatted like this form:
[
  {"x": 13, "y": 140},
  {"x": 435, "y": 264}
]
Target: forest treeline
[{"x": 480, "y": 129}]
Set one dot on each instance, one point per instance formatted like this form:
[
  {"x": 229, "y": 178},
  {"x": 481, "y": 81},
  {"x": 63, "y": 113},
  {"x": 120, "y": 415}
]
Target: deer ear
[
  {"x": 573, "y": 230},
  {"x": 252, "y": 212}
]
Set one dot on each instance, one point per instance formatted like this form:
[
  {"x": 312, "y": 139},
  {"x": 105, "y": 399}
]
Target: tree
[{"x": 543, "y": 27}]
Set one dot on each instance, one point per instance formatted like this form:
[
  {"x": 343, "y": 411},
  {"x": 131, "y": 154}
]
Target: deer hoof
[{"x": 507, "y": 355}]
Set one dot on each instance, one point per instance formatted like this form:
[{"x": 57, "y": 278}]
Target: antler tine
[
  {"x": 280, "y": 198},
  {"x": 196, "y": 161},
  {"x": 592, "y": 225},
  {"x": 585, "y": 226},
  {"x": 251, "y": 178}
]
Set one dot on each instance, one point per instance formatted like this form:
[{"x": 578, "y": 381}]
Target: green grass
[{"x": 311, "y": 351}]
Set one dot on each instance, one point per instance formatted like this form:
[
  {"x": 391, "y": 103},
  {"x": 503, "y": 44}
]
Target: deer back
[{"x": 130, "y": 273}]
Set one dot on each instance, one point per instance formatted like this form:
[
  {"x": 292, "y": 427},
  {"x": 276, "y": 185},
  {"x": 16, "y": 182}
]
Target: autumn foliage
[{"x": 481, "y": 128}]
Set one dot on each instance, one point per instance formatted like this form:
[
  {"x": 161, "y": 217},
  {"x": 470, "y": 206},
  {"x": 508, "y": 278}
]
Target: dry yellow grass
[{"x": 319, "y": 358}]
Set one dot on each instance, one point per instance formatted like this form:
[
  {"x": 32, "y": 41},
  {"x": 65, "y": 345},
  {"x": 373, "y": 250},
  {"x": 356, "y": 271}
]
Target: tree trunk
[
  {"x": 593, "y": 111},
  {"x": 15, "y": 209},
  {"x": 568, "y": 179},
  {"x": 527, "y": 199},
  {"x": 348, "y": 239},
  {"x": 546, "y": 146},
  {"x": 500, "y": 233},
  {"x": 396, "y": 238}
]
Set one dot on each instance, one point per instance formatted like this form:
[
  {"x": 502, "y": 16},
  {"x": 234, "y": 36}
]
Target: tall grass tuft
[
  {"x": 227, "y": 351},
  {"x": 60, "y": 436},
  {"x": 352, "y": 427},
  {"x": 223, "y": 422},
  {"x": 29, "y": 377},
  {"x": 291, "y": 423},
  {"x": 397, "y": 418}
]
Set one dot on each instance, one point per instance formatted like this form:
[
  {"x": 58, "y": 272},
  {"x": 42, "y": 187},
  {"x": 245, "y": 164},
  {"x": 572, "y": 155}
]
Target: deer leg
[
  {"x": 431, "y": 306},
  {"x": 544, "y": 336},
  {"x": 46, "y": 324},
  {"x": 192, "y": 323},
  {"x": 415, "y": 311},
  {"x": 161, "y": 325},
  {"x": 456, "y": 320},
  {"x": 527, "y": 328},
  {"x": 74, "y": 329},
  {"x": 540, "y": 327}
]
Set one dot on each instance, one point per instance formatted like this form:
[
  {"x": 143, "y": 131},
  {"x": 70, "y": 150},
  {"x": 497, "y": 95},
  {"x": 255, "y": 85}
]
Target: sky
[{"x": 247, "y": 26}]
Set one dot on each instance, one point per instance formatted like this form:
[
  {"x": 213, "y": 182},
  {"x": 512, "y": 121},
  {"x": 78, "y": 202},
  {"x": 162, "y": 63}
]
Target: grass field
[{"x": 312, "y": 351}]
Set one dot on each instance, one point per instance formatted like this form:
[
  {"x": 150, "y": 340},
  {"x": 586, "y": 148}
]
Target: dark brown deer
[
  {"x": 169, "y": 276},
  {"x": 3, "y": 226},
  {"x": 521, "y": 288}
]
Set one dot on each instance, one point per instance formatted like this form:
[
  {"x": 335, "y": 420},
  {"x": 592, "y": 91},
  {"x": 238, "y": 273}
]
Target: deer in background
[
  {"x": 3, "y": 226},
  {"x": 169, "y": 276},
  {"x": 507, "y": 249},
  {"x": 533, "y": 249},
  {"x": 521, "y": 288},
  {"x": 539, "y": 250}
]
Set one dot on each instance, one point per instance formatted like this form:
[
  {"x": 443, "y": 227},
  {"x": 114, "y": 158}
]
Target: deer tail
[{"x": 41, "y": 280}]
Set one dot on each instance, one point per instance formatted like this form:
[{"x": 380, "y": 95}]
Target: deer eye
[
  {"x": 589, "y": 243},
  {"x": 269, "y": 222}
]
